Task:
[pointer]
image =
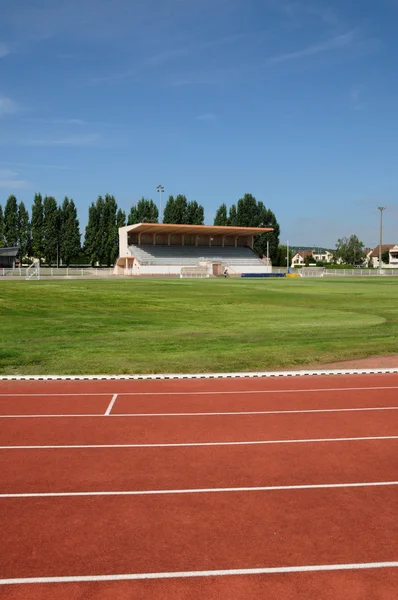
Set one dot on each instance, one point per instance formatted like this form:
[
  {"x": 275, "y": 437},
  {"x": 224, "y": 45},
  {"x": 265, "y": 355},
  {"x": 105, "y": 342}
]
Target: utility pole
[
  {"x": 287, "y": 256},
  {"x": 160, "y": 189},
  {"x": 381, "y": 208}
]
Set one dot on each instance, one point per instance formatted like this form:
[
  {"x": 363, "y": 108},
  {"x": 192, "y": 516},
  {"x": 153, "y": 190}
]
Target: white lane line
[
  {"x": 202, "y": 414},
  {"x": 196, "y": 444},
  {"x": 214, "y": 573},
  {"x": 110, "y": 405},
  {"x": 268, "y": 488},
  {"x": 215, "y": 392}
]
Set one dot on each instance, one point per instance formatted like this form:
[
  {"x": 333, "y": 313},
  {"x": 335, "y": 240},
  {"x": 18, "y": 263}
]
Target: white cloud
[
  {"x": 83, "y": 140},
  {"x": 22, "y": 165},
  {"x": 7, "y": 106},
  {"x": 336, "y": 43},
  {"x": 8, "y": 180},
  {"x": 4, "y": 50},
  {"x": 55, "y": 121}
]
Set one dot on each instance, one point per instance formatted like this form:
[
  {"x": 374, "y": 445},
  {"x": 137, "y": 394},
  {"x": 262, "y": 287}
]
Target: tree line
[{"x": 52, "y": 233}]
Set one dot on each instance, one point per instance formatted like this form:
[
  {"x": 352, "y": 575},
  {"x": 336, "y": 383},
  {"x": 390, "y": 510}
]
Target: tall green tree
[
  {"x": 111, "y": 239},
  {"x": 250, "y": 213},
  {"x": 221, "y": 218},
  {"x": 1, "y": 227},
  {"x": 69, "y": 238},
  {"x": 194, "y": 213},
  {"x": 267, "y": 219},
  {"x": 11, "y": 222},
  {"x": 145, "y": 211},
  {"x": 92, "y": 240},
  {"x": 232, "y": 217},
  {"x": 37, "y": 227},
  {"x": 51, "y": 230},
  {"x": 178, "y": 210},
  {"x": 169, "y": 215},
  {"x": 350, "y": 250},
  {"x": 24, "y": 233},
  {"x": 120, "y": 218}
]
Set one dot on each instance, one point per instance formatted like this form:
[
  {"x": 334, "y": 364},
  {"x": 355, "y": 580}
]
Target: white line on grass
[
  {"x": 214, "y": 573},
  {"x": 210, "y": 393},
  {"x": 110, "y": 406},
  {"x": 203, "y": 414},
  {"x": 268, "y": 488},
  {"x": 196, "y": 444}
]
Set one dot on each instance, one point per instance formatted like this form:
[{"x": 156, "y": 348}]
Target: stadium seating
[{"x": 193, "y": 255}]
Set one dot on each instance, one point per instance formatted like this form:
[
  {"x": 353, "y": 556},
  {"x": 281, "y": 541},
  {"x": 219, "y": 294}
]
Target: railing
[{"x": 48, "y": 272}]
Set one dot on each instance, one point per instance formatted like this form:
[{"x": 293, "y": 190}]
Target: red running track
[{"x": 100, "y": 535}]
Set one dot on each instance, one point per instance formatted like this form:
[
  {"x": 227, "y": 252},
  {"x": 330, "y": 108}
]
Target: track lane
[
  {"x": 52, "y": 405},
  {"x": 226, "y": 428},
  {"x": 200, "y": 385},
  {"x": 242, "y": 402},
  {"x": 89, "y": 536},
  {"x": 375, "y": 584},
  {"x": 118, "y": 469}
]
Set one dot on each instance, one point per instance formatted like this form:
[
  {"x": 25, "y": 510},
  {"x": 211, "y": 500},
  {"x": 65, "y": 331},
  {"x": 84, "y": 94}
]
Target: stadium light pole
[
  {"x": 381, "y": 208},
  {"x": 160, "y": 189}
]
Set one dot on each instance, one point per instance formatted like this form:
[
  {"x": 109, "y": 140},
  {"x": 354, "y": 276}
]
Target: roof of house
[
  {"x": 11, "y": 251},
  {"x": 304, "y": 253},
  {"x": 194, "y": 229},
  {"x": 384, "y": 247}
]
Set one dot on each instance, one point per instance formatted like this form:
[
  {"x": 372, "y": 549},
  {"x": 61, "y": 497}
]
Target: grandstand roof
[
  {"x": 10, "y": 251},
  {"x": 195, "y": 229}
]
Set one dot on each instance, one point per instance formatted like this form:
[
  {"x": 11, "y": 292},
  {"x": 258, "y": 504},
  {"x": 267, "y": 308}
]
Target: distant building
[
  {"x": 372, "y": 258},
  {"x": 8, "y": 257},
  {"x": 324, "y": 256}
]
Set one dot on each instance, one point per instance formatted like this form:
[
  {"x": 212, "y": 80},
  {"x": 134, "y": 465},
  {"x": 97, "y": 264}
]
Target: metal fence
[
  {"x": 317, "y": 272},
  {"x": 71, "y": 272}
]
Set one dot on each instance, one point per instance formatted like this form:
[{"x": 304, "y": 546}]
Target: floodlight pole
[
  {"x": 381, "y": 208},
  {"x": 160, "y": 189}
]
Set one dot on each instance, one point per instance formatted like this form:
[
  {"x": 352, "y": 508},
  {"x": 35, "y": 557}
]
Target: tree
[
  {"x": 37, "y": 227},
  {"x": 51, "y": 230},
  {"x": 349, "y": 250},
  {"x": 110, "y": 233},
  {"x": 280, "y": 260},
  {"x": 11, "y": 222},
  {"x": 145, "y": 211},
  {"x": 24, "y": 233},
  {"x": 221, "y": 218},
  {"x": 309, "y": 260},
  {"x": 194, "y": 213},
  {"x": 178, "y": 210},
  {"x": 69, "y": 239},
  {"x": 385, "y": 257},
  {"x": 120, "y": 218},
  {"x": 233, "y": 218},
  {"x": 250, "y": 213},
  {"x": 92, "y": 241},
  {"x": 267, "y": 219},
  {"x": 1, "y": 227}
]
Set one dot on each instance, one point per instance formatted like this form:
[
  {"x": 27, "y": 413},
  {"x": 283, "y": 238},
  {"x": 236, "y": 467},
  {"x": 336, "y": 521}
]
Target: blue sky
[{"x": 293, "y": 101}]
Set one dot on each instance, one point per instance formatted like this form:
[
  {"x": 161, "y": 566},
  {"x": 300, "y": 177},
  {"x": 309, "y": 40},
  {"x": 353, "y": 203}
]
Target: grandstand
[{"x": 164, "y": 249}]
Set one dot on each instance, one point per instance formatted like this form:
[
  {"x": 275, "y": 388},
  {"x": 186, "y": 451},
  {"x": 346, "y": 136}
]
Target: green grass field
[{"x": 164, "y": 326}]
